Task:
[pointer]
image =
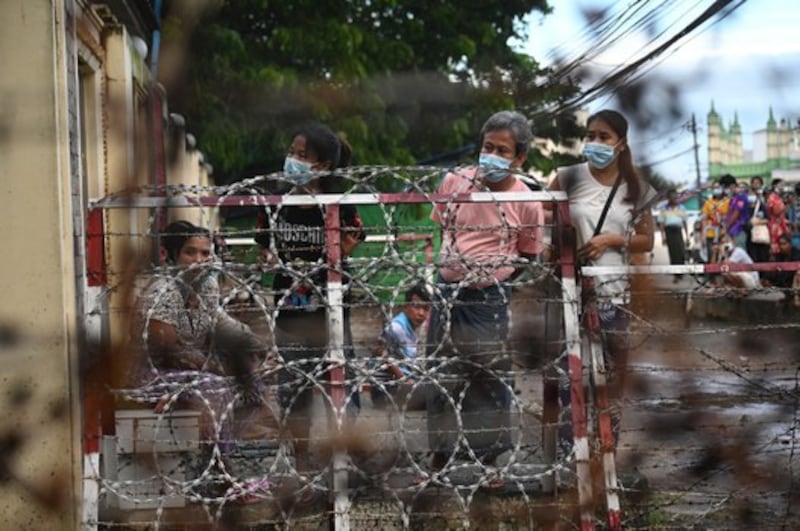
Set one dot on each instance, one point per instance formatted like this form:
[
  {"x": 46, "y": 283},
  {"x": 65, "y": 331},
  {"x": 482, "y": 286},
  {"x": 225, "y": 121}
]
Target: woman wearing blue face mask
[
  {"x": 292, "y": 239},
  {"x": 626, "y": 230}
]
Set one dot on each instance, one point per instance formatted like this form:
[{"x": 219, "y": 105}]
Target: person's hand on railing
[
  {"x": 267, "y": 257},
  {"x": 350, "y": 241}
]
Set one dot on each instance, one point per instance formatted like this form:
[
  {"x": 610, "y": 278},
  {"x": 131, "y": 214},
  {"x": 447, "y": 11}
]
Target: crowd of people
[
  {"x": 466, "y": 307},
  {"x": 742, "y": 222}
]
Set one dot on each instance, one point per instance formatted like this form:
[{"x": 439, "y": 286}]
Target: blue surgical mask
[
  {"x": 296, "y": 170},
  {"x": 493, "y": 167},
  {"x": 598, "y": 155}
]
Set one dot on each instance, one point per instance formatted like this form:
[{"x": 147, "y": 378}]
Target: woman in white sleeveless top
[{"x": 626, "y": 230}]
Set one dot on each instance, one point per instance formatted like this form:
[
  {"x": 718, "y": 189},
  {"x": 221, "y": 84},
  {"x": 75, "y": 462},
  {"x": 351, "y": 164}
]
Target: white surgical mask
[
  {"x": 296, "y": 170},
  {"x": 493, "y": 167},
  {"x": 599, "y": 155}
]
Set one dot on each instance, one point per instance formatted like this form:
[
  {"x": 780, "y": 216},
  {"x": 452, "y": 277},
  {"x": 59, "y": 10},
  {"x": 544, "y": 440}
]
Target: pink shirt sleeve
[
  {"x": 449, "y": 185},
  {"x": 438, "y": 208},
  {"x": 531, "y": 235}
]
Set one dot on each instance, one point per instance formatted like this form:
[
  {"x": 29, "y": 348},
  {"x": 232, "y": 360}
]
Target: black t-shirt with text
[{"x": 298, "y": 236}]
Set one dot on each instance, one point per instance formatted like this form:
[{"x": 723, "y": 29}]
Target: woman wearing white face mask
[
  {"x": 627, "y": 228},
  {"x": 292, "y": 238}
]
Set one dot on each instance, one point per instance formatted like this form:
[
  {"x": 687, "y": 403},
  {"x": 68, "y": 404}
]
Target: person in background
[
  {"x": 715, "y": 210},
  {"x": 793, "y": 215},
  {"x": 628, "y": 229},
  {"x": 202, "y": 357},
  {"x": 756, "y": 190},
  {"x": 398, "y": 370},
  {"x": 776, "y": 214},
  {"x": 790, "y": 198},
  {"x": 482, "y": 244},
  {"x": 729, "y": 253},
  {"x": 183, "y": 326},
  {"x": 786, "y": 253},
  {"x": 293, "y": 240},
  {"x": 738, "y": 216},
  {"x": 674, "y": 231},
  {"x": 758, "y": 216}
]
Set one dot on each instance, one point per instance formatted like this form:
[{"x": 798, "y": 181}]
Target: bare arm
[
  {"x": 163, "y": 340},
  {"x": 734, "y": 217},
  {"x": 386, "y": 350},
  {"x": 640, "y": 242},
  {"x": 349, "y": 243},
  {"x": 241, "y": 349}
]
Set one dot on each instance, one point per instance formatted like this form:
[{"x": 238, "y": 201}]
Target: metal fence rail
[{"x": 707, "y": 435}]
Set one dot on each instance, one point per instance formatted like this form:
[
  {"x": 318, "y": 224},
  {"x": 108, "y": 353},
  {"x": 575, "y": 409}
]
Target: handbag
[{"x": 759, "y": 232}]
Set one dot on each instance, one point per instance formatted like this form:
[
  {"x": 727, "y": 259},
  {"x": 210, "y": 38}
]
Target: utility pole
[{"x": 696, "y": 151}]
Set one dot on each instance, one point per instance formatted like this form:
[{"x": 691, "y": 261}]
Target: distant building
[{"x": 775, "y": 153}]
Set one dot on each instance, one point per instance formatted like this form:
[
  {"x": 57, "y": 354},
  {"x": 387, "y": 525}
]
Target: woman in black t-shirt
[{"x": 293, "y": 238}]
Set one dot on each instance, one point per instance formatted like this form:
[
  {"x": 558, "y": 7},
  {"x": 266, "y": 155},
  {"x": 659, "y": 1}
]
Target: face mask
[
  {"x": 297, "y": 171},
  {"x": 599, "y": 155},
  {"x": 493, "y": 168},
  {"x": 716, "y": 192}
]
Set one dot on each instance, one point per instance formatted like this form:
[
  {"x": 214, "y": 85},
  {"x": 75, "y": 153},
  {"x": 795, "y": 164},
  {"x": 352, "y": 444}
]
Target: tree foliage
[{"x": 401, "y": 81}]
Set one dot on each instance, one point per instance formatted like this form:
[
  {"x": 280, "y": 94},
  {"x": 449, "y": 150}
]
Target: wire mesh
[{"x": 707, "y": 408}]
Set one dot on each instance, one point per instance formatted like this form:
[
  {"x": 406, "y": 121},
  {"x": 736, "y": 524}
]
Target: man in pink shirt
[{"x": 482, "y": 244}]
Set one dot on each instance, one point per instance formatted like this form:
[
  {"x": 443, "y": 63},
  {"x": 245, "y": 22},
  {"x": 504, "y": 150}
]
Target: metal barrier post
[
  {"x": 339, "y": 491},
  {"x": 604, "y": 421},
  {"x": 572, "y": 342}
]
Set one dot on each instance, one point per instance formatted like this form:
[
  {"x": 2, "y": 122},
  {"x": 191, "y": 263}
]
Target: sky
[{"x": 745, "y": 63}]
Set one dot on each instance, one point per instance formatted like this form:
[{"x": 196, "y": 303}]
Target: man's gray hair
[{"x": 514, "y": 122}]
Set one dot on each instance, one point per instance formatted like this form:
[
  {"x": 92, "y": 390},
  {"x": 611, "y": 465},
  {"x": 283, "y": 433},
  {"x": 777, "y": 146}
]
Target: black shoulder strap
[{"x": 603, "y": 214}]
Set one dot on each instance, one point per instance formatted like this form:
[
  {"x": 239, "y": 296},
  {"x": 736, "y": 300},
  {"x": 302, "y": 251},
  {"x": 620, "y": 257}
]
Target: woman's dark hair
[
  {"x": 175, "y": 235},
  {"x": 775, "y": 185},
  {"x": 328, "y": 147},
  {"x": 619, "y": 125}
]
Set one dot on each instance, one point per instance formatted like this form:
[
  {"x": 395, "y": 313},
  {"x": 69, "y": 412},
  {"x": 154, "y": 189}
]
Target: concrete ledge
[{"x": 755, "y": 308}]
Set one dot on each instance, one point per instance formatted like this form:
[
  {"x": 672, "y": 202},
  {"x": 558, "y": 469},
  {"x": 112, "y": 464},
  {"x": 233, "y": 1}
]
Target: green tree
[{"x": 401, "y": 81}]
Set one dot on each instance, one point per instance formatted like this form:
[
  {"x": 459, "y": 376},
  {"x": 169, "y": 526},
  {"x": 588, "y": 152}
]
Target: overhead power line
[
  {"x": 626, "y": 72},
  {"x": 671, "y": 157},
  {"x": 644, "y": 71},
  {"x": 609, "y": 32},
  {"x": 620, "y": 75}
]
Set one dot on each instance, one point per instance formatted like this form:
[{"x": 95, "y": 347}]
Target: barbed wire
[{"x": 180, "y": 453}]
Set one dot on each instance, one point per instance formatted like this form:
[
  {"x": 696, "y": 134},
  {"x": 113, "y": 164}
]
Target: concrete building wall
[
  {"x": 73, "y": 128},
  {"x": 38, "y": 307},
  {"x": 127, "y": 246},
  {"x": 759, "y": 145}
]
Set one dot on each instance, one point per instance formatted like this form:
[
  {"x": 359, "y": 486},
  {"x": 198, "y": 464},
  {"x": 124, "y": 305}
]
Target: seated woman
[
  {"x": 786, "y": 253},
  {"x": 193, "y": 346},
  {"x": 728, "y": 253}
]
